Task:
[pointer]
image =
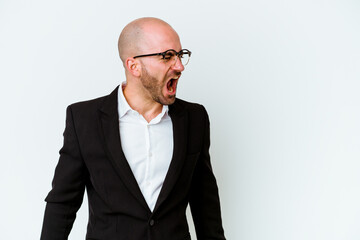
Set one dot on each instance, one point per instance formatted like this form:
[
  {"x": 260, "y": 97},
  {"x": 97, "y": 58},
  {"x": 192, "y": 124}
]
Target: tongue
[{"x": 169, "y": 86}]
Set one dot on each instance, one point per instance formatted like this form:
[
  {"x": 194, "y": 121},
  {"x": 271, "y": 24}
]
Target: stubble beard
[{"x": 154, "y": 87}]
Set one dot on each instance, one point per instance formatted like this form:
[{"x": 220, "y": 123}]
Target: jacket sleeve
[
  {"x": 204, "y": 196},
  {"x": 68, "y": 185}
]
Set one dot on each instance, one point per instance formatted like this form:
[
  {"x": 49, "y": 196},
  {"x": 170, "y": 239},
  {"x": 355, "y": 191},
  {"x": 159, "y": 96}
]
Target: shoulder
[
  {"x": 88, "y": 104},
  {"x": 194, "y": 110},
  {"x": 93, "y": 105},
  {"x": 191, "y": 106},
  {"x": 85, "y": 110},
  {"x": 90, "y": 107}
]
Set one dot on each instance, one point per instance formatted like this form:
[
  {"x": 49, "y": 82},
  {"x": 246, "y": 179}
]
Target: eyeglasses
[{"x": 171, "y": 56}]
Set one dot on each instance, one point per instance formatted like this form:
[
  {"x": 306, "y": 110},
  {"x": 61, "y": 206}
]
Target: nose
[{"x": 178, "y": 65}]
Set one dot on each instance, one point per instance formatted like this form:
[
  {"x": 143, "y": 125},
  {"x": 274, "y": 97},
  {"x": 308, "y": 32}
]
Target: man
[{"x": 141, "y": 154}]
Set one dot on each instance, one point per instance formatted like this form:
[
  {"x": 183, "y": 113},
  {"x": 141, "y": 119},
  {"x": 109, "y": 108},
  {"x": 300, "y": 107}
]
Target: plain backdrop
[{"x": 280, "y": 80}]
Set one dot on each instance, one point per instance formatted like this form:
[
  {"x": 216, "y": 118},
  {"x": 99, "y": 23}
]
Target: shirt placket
[{"x": 148, "y": 156}]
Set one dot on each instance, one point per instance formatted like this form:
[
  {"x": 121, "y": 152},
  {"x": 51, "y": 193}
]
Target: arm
[
  {"x": 204, "y": 198},
  {"x": 68, "y": 185}
]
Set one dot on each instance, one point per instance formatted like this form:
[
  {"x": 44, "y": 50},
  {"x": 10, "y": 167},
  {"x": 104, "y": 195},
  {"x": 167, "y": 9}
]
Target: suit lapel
[
  {"x": 179, "y": 120},
  {"x": 109, "y": 122}
]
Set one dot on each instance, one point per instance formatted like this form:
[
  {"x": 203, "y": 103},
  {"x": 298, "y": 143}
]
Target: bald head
[{"x": 135, "y": 37}]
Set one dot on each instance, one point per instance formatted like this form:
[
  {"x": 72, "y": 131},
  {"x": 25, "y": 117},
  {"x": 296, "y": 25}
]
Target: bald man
[{"x": 141, "y": 153}]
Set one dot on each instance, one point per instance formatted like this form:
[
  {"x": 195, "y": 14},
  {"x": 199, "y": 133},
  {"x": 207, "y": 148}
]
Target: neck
[{"x": 140, "y": 102}]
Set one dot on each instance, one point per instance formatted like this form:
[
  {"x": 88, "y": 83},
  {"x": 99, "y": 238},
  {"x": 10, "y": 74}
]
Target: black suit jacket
[{"x": 92, "y": 158}]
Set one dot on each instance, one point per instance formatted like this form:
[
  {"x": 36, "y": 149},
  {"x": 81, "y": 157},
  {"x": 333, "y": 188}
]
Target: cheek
[{"x": 158, "y": 72}]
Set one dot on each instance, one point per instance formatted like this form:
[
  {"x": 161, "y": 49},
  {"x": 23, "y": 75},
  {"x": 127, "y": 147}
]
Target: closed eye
[{"x": 169, "y": 55}]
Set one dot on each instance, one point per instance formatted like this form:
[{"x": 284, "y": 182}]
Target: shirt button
[{"x": 152, "y": 222}]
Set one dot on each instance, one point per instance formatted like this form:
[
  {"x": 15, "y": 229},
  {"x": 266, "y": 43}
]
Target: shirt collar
[{"x": 124, "y": 107}]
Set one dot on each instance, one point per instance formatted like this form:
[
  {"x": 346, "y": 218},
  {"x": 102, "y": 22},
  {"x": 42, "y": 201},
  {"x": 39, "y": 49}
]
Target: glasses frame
[{"x": 163, "y": 54}]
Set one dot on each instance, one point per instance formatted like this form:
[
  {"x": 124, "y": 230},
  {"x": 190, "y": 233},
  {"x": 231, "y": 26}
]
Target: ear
[{"x": 133, "y": 66}]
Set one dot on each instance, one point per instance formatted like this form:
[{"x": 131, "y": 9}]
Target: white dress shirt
[{"x": 148, "y": 147}]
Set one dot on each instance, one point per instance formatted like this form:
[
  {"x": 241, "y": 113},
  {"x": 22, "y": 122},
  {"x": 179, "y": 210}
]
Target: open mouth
[{"x": 171, "y": 85}]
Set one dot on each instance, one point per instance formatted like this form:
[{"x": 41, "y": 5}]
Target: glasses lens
[
  {"x": 184, "y": 56},
  {"x": 170, "y": 55}
]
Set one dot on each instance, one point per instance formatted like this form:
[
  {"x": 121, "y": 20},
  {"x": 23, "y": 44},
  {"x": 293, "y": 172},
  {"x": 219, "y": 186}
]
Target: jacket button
[{"x": 152, "y": 222}]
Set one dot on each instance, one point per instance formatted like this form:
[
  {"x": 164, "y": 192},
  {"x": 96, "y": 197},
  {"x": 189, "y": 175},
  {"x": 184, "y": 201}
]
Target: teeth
[
  {"x": 176, "y": 77},
  {"x": 171, "y": 89}
]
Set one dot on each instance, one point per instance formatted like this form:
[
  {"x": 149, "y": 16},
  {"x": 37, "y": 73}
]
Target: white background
[{"x": 280, "y": 80}]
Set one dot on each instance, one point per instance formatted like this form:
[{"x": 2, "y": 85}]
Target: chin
[
  {"x": 172, "y": 101},
  {"x": 167, "y": 100}
]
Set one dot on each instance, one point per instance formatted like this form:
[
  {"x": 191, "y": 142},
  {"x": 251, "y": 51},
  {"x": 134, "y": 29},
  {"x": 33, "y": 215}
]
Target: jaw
[
  {"x": 163, "y": 92},
  {"x": 168, "y": 91}
]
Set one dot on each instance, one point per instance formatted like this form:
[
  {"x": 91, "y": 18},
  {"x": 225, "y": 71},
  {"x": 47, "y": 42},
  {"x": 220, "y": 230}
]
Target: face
[
  {"x": 159, "y": 77},
  {"x": 161, "y": 85}
]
